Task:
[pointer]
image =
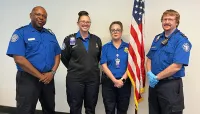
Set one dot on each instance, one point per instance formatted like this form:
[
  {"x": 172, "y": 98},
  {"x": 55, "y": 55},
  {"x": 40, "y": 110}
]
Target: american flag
[{"x": 136, "y": 57}]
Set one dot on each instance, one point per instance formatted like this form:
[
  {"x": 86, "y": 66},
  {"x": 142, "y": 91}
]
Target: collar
[
  {"x": 123, "y": 44},
  {"x": 173, "y": 33},
  {"x": 34, "y": 30},
  {"x": 78, "y": 35}
]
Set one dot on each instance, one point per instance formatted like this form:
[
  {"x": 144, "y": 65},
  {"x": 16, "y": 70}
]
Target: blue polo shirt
[
  {"x": 177, "y": 51},
  {"x": 109, "y": 55},
  {"x": 85, "y": 41},
  {"x": 38, "y": 47}
]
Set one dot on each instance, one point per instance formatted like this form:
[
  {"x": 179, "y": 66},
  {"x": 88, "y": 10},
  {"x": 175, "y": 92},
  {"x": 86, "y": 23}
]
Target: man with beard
[
  {"x": 36, "y": 53},
  {"x": 167, "y": 58}
]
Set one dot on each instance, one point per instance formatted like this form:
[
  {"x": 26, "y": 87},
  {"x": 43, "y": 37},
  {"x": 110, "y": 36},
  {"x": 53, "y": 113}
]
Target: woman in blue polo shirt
[{"x": 116, "y": 88}]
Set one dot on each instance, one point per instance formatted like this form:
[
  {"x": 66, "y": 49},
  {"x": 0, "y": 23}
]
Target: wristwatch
[
  {"x": 123, "y": 80},
  {"x": 53, "y": 72}
]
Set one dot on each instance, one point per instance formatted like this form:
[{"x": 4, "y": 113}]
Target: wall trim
[{"x": 12, "y": 110}]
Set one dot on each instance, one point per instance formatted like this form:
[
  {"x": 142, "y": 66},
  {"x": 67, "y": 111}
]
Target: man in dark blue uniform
[
  {"x": 167, "y": 58},
  {"x": 36, "y": 53}
]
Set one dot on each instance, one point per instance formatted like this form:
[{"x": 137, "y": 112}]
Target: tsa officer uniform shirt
[
  {"x": 38, "y": 47},
  {"x": 116, "y": 59},
  {"x": 177, "y": 50}
]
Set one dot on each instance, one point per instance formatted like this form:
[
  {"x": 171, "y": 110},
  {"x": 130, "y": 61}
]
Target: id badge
[
  {"x": 72, "y": 41},
  {"x": 117, "y": 63}
]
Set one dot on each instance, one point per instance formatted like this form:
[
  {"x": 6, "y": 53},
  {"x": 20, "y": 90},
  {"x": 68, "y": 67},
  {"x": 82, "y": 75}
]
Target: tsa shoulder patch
[
  {"x": 186, "y": 47},
  {"x": 14, "y": 38},
  {"x": 63, "y": 46},
  {"x": 126, "y": 49}
]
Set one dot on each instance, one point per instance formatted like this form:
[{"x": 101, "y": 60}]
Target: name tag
[
  {"x": 117, "y": 63},
  {"x": 31, "y": 39}
]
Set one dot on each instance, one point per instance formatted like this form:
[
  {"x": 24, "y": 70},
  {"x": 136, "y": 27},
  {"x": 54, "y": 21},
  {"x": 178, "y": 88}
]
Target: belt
[{"x": 171, "y": 78}]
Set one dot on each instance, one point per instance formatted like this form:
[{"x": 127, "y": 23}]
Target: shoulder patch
[
  {"x": 63, "y": 46},
  {"x": 49, "y": 30},
  {"x": 186, "y": 47},
  {"x": 14, "y": 38},
  {"x": 71, "y": 38}
]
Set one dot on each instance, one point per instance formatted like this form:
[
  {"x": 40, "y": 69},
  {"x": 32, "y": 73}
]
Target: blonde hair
[{"x": 172, "y": 12}]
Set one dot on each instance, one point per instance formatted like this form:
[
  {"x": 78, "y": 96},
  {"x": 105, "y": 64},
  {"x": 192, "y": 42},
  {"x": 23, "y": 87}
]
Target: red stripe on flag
[
  {"x": 135, "y": 37},
  {"x": 134, "y": 58},
  {"x": 133, "y": 77},
  {"x": 142, "y": 57}
]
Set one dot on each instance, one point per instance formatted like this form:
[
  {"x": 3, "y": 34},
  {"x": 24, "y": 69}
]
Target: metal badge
[{"x": 126, "y": 49}]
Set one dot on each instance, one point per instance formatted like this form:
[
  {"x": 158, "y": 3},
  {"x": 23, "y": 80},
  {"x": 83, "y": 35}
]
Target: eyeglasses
[
  {"x": 115, "y": 31},
  {"x": 168, "y": 19},
  {"x": 85, "y": 22}
]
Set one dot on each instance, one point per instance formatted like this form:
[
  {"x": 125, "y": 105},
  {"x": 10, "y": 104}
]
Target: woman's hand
[{"x": 118, "y": 83}]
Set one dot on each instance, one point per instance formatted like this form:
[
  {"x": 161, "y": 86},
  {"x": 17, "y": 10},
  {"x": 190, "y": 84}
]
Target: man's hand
[
  {"x": 118, "y": 83},
  {"x": 47, "y": 77},
  {"x": 42, "y": 78},
  {"x": 152, "y": 79}
]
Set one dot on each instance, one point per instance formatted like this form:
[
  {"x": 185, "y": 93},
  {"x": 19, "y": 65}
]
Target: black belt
[{"x": 171, "y": 78}]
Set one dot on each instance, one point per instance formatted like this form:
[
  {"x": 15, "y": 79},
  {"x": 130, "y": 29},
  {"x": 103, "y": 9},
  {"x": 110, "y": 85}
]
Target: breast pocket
[
  {"x": 152, "y": 52},
  {"x": 33, "y": 45},
  {"x": 52, "y": 45},
  {"x": 168, "y": 53}
]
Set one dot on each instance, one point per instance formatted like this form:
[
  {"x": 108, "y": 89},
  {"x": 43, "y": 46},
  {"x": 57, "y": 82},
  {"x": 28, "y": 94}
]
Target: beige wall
[{"x": 62, "y": 20}]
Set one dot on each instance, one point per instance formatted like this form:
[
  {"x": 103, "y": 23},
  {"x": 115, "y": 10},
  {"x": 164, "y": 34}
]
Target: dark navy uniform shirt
[
  {"x": 85, "y": 41},
  {"x": 38, "y": 47},
  {"x": 177, "y": 50},
  {"x": 81, "y": 65},
  {"x": 109, "y": 56}
]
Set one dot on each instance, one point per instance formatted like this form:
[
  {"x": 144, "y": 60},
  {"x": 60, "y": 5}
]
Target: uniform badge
[
  {"x": 31, "y": 39},
  {"x": 186, "y": 47},
  {"x": 63, "y": 46},
  {"x": 14, "y": 38},
  {"x": 126, "y": 49},
  {"x": 72, "y": 41},
  {"x": 117, "y": 63}
]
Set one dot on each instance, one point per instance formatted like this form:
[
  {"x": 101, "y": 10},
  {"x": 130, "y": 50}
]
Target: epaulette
[
  {"x": 157, "y": 37},
  {"x": 158, "y": 34},
  {"x": 71, "y": 35},
  {"x": 20, "y": 27},
  {"x": 50, "y": 31},
  {"x": 183, "y": 35}
]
